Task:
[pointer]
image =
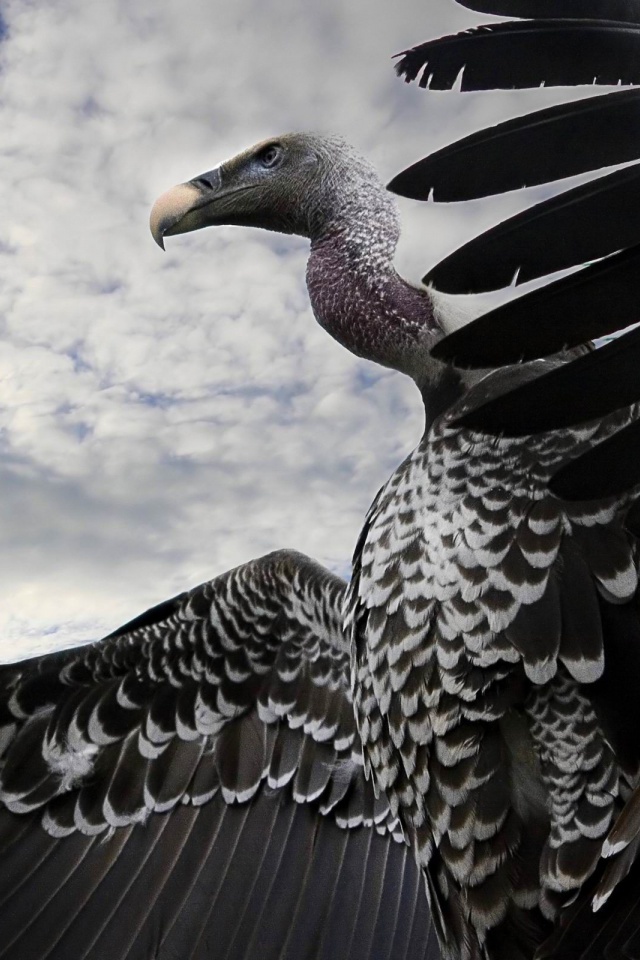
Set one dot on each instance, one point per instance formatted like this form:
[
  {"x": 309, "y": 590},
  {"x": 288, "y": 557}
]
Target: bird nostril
[{"x": 207, "y": 181}]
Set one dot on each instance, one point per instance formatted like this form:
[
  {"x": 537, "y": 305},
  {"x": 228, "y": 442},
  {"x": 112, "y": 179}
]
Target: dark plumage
[
  {"x": 590, "y": 221},
  {"x": 559, "y": 50},
  {"x": 192, "y": 787},
  {"x": 523, "y": 152},
  {"x": 479, "y": 669}
]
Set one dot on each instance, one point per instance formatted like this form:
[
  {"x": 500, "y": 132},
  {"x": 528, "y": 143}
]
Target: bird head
[{"x": 299, "y": 183}]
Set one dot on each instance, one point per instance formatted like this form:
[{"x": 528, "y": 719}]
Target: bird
[{"x": 472, "y": 690}]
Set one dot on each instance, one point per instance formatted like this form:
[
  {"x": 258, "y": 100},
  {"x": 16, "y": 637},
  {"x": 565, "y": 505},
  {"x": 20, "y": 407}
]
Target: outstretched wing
[
  {"x": 590, "y": 41},
  {"x": 192, "y": 787}
]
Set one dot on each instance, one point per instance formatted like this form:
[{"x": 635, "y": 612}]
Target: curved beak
[{"x": 181, "y": 208}]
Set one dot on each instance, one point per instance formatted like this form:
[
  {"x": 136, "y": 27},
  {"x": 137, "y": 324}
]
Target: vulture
[{"x": 441, "y": 758}]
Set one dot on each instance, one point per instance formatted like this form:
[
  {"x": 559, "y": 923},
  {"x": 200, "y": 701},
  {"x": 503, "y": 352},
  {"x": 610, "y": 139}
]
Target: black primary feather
[
  {"x": 607, "y": 470},
  {"x": 520, "y": 54},
  {"x": 616, "y": 693},
  {"x": 586, "y": 223},
  {"x": 529, "y": 150},
  {"x": 592, "y": 386},
  {"x": 621, "y": 10},
  {"x": 593, "y": 302}
]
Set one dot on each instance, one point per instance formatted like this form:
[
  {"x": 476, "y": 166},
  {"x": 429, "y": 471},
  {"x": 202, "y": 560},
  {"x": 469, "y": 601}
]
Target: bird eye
[{"x": 270, "y": 155}]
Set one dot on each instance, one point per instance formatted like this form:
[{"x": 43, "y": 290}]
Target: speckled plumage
[
  {"x": 472, "y": 654},
  {"x": 161, "y": 779}
]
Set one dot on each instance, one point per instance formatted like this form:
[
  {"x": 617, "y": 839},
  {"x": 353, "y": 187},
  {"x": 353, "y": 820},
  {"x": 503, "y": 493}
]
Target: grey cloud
[{"x": 164, "y": 417}]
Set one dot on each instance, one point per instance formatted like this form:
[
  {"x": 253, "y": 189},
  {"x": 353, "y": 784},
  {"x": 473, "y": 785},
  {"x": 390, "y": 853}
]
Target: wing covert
[{"x": 197, "y": 778}]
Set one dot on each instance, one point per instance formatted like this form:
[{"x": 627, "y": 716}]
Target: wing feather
[
  {"x": 527, "y": 54},
  {"x": 197, "y": 785},
  {"x": 621, "y": 10},
  {"x": 592, "y": 386},
  {"x": 609, "y": 469},
  {"x": 525, "y": 152},
  {"x": 591, "y": 221},
  {"x": 593, "y": 302}
]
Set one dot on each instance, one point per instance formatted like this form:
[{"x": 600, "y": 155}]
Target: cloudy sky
[{"x": 164, "y": 417}]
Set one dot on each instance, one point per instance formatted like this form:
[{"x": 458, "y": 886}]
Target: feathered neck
[{"x": 359, "y": 298}]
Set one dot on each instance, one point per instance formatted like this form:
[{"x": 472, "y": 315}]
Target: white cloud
[{"x": 165, "y": 417}]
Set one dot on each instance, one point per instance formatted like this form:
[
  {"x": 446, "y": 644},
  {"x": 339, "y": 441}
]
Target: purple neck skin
[{"x": 358, "y": 297}]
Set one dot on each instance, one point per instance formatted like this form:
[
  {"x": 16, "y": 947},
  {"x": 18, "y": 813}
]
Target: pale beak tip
[
  {"x": 170, "y": 209},
  {"x": 157, "y": 225}
]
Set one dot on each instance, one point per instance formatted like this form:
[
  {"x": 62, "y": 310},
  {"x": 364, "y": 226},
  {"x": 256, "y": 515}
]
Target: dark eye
[{"x": 270, "y": 155}]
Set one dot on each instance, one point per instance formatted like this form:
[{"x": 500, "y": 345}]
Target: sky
[{"x": 167, "y": 416}]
